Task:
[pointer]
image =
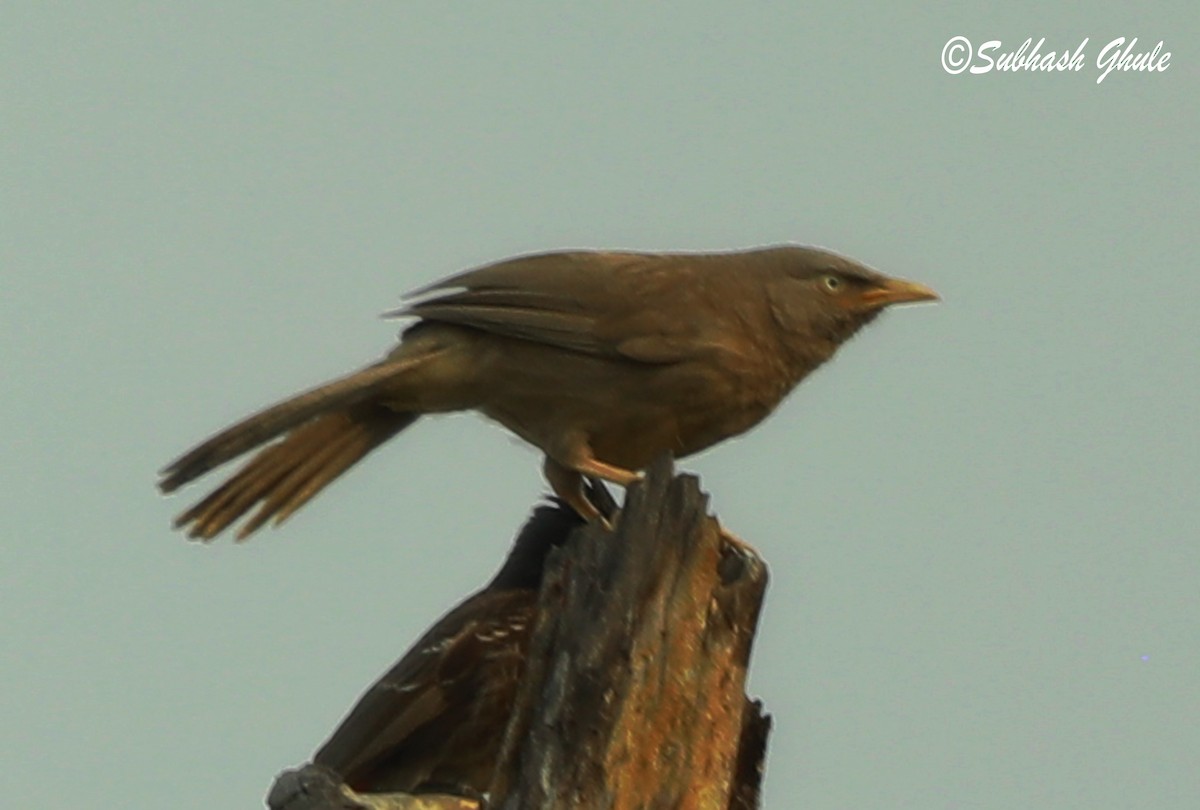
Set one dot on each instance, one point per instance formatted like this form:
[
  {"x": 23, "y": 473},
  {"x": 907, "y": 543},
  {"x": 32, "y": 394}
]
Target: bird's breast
[{"x": 630, "y": 412}]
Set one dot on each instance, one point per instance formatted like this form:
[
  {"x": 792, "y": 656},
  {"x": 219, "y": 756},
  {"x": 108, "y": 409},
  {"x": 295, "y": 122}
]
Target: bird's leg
[
  {"x": 601, "y": 498},
  {"x": 568, "y": 485},
  {"x": 606, "y": 472},
  {"x": 567, "y": 482}
]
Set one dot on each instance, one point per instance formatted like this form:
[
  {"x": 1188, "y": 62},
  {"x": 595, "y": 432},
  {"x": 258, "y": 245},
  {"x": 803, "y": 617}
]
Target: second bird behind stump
[
  {"x": 603, "y": 360},
  {"x": 435, "y": 721}
]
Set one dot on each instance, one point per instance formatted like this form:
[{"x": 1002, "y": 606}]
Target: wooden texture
[
  {"x": 315, "y": 788},
  {"x": 634, "y": 696}
]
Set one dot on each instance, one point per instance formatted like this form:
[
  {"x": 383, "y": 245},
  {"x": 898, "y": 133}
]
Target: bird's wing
[
  {"x": 419, "y": 688},
  {"x": 606, "y": 304},
  {"x": 403, "y": 700}
]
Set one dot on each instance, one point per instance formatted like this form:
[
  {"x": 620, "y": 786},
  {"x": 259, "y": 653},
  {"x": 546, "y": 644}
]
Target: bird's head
[{"x": 822, "y": 298}]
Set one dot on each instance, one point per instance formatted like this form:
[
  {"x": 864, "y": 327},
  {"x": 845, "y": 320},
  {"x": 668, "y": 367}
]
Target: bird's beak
[{"x": 898, "y": 291}]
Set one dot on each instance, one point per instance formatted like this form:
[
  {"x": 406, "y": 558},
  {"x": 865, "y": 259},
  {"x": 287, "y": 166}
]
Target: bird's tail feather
[
  {"x": 329, "y": 429},
  {"x": 286, "y": 475},
  {"x": 279, "y": 418}
]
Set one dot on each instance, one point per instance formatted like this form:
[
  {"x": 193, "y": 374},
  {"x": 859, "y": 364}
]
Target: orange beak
[{"x": 898, "y": 291}]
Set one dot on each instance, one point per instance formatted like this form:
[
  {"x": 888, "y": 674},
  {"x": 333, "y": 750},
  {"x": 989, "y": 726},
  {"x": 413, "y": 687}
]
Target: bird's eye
[{"x": 831, "y": 283}]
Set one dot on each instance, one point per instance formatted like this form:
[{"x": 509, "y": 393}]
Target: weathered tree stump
[
  {"x": 634, "y": 695},
  {"x": 634, "y": 691}
]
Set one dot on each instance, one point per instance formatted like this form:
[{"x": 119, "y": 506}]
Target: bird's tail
[{"x": 329, "y": 429}]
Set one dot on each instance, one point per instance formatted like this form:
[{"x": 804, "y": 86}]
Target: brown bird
[
  {"x": 435, "y": 721},
  {"x": 604, "y": 361}
]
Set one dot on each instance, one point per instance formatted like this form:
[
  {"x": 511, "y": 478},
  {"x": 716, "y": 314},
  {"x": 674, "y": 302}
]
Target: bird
[
  {"x": 435, "y": 721},
  {"x": 603, "y": 360}
]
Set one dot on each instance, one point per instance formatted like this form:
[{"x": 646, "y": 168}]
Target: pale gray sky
[{"x": 981, "y": 519}]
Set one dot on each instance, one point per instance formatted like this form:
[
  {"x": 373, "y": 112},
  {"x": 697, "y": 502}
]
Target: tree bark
[
  {"x": 315, "y": 788},
  {"x": 634, "y": 695}
]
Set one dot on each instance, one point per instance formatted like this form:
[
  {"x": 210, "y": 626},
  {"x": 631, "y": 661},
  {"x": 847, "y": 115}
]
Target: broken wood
[{"x": 634, "y": 695}]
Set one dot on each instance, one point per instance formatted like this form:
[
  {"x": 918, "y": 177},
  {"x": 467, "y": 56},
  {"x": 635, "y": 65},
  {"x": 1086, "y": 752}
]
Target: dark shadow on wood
[{"x": 752, "y": 756}]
